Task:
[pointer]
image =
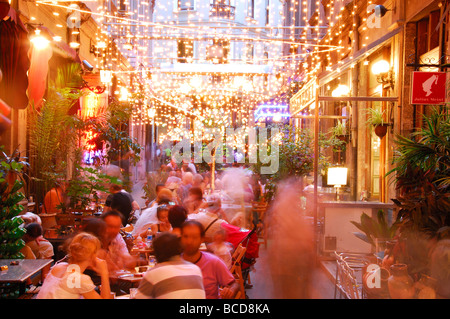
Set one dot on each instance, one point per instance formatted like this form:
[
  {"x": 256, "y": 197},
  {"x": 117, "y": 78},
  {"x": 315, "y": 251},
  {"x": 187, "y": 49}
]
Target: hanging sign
[{"x": 428, "y": 87}]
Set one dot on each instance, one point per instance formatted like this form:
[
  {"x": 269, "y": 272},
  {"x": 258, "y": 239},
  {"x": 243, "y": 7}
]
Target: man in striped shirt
[{"x": 172, "y": 277}]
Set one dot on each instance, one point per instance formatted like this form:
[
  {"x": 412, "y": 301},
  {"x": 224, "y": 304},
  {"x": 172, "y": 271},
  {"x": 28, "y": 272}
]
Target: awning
[{"x": 14, "y": 62}]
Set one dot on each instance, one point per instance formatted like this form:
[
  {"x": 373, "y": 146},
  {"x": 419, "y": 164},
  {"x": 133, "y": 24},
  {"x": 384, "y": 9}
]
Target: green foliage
[
  {"x": 376, "y": 117},
  {"x": 422, "y": 177},
  {"x": 85, "y": 186},
  {"x": 112, "y": 129},
  {"x": 339, "y": 130},
  {"x": 374, "y": 227},
  {"x": 422, "y": 170},
  {"x": 55, "y": 136},
  {"x": 11, "y": 167},
  {"x": 52, "y": 130},
  {"x": 296, "y": 157}
]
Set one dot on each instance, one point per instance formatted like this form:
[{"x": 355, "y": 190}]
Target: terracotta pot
[
  {"x": 381, "y": 130},
  {"x": 401, "y": 285},
  {"x": 375, "y": 283}
]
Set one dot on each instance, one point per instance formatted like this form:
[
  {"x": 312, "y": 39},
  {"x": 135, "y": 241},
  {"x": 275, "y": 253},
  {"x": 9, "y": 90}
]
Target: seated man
[
  {"x": 211, "y": 218},
  {"x": 194, "y": 200},
  {"x": 54, "y": 198},
  {"x": 114, "y": 249},
  {"x": 173, "y": 277},
  {"x": 215, "y": 272},
  {"x": 40, "y": 246},
  {"x": 122, "y": 201}
]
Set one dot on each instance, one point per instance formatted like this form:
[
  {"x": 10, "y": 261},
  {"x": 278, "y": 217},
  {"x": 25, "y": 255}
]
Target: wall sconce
[
  {"x": 123, "y": 97},
  {"x": 384, "y": 73},
  {"x": 341, "y": 90},
  {"x": 337, "y": 176},
  {"x": 39, "y": 41}
]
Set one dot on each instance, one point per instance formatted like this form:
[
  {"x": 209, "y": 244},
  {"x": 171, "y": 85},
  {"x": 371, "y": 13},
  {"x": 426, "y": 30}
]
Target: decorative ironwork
[
  {"x": 222, "y": 11},
  {"x": 430, "y": 62},
  {"x": 95, "y": 89}
]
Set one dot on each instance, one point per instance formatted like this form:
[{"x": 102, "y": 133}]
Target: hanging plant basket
[
  {"x": 344, "y": 138},
  {"x": 381, "y": 130}
]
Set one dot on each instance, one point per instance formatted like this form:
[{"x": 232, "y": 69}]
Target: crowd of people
[{"x": 184, "y": 215}]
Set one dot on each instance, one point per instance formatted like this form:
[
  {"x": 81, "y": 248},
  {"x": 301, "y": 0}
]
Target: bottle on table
[{"x": 149, "y": 238}]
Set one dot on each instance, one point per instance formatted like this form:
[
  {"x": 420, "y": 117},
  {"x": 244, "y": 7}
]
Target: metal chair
[{"x": 348, "y": 267}]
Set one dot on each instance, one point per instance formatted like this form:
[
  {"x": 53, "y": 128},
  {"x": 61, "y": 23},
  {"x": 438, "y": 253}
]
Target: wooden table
[
  {"x": 149, "y": 251},
  {"x": 131, "y": 277}
]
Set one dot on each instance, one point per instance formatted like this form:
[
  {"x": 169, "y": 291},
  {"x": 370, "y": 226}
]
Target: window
[
  {"x": 251, "y": 8},
  {"x": 249, "y": 52},
  {"x": 185, "y": 5},
  {"x": 267, "y": 12},
  {"x": 218, "y": 51},
  {"x": 185, "y": 51}
]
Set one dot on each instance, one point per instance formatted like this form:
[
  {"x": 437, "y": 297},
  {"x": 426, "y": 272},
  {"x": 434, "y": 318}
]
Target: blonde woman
[{"x": 66, "y": 279}]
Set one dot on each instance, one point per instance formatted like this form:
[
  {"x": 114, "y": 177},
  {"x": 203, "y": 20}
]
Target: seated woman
[
  {"x": 163, "y": 225},
  {"x": 67, "y": 280},
  {"x": 148, "y": 216}
]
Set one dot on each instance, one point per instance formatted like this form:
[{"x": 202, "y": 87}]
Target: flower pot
[
  {"x": 401, "y": 285},
  {"x": 51, "y": 233},
  {"x": 381, "y": 130}
]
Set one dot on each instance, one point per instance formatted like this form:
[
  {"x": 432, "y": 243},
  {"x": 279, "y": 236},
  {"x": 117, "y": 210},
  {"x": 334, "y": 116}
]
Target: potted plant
[
  {"x": 340, "y": 131},
  {"x": 375, "y": 228},
  {"x": 85, "y": 186},
  {"x": 422, "y": 170},
  {"x": 376, "y": 119},
  {"x": 11, "y": 232}
]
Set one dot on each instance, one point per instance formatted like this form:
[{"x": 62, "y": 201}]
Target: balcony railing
[{"x": 222, "y": 11}]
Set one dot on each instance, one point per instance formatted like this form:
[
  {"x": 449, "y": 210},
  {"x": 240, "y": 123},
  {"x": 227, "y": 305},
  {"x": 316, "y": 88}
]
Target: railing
[{"x": 222, "y": 11}]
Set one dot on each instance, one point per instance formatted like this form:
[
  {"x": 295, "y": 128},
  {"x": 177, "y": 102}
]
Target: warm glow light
[
  {"x": 123, "y": 94},
  {"x": 337, "y": 176},
  {"x": 341, "y": 90},
  {"x": 380, "y": 67},
  {"x": 40, "y": 42},
  {"x": 105, "y": 76}
]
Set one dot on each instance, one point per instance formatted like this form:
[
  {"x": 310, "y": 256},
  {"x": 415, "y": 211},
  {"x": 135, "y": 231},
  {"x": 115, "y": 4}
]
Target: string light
[{"x": 136, "y": 44}]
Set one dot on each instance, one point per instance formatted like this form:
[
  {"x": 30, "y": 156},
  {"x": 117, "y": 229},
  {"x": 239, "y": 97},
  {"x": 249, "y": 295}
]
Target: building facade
[{"x": 405, "y": 36}]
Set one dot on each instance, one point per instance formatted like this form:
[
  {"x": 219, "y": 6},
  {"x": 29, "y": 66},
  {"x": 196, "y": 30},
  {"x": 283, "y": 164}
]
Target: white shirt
[
  {"x": 206, "y": 218},
  {"x": 72, "y": 285},
  {"x": 148, "y": 216}
]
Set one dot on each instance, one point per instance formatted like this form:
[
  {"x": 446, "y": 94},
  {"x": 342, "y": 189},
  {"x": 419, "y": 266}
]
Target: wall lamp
[{"x": 385, "y": 74}]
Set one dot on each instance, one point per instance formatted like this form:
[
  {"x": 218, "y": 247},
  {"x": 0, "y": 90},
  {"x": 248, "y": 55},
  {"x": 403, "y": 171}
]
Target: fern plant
[{"x": 52, "y": 130}]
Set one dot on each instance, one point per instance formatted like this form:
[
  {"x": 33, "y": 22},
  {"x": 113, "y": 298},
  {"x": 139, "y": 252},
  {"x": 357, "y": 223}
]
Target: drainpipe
[{"x": 354, "y": 111}]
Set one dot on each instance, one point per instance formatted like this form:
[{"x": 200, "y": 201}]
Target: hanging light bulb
[{"x": 105, "y": 76}]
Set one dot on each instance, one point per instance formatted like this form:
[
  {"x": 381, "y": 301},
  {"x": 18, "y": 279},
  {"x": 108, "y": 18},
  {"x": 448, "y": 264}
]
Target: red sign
[{"x": 428, "y": 88}]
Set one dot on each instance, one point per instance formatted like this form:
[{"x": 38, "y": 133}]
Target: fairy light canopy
[{"x": 210, "y": 62}]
